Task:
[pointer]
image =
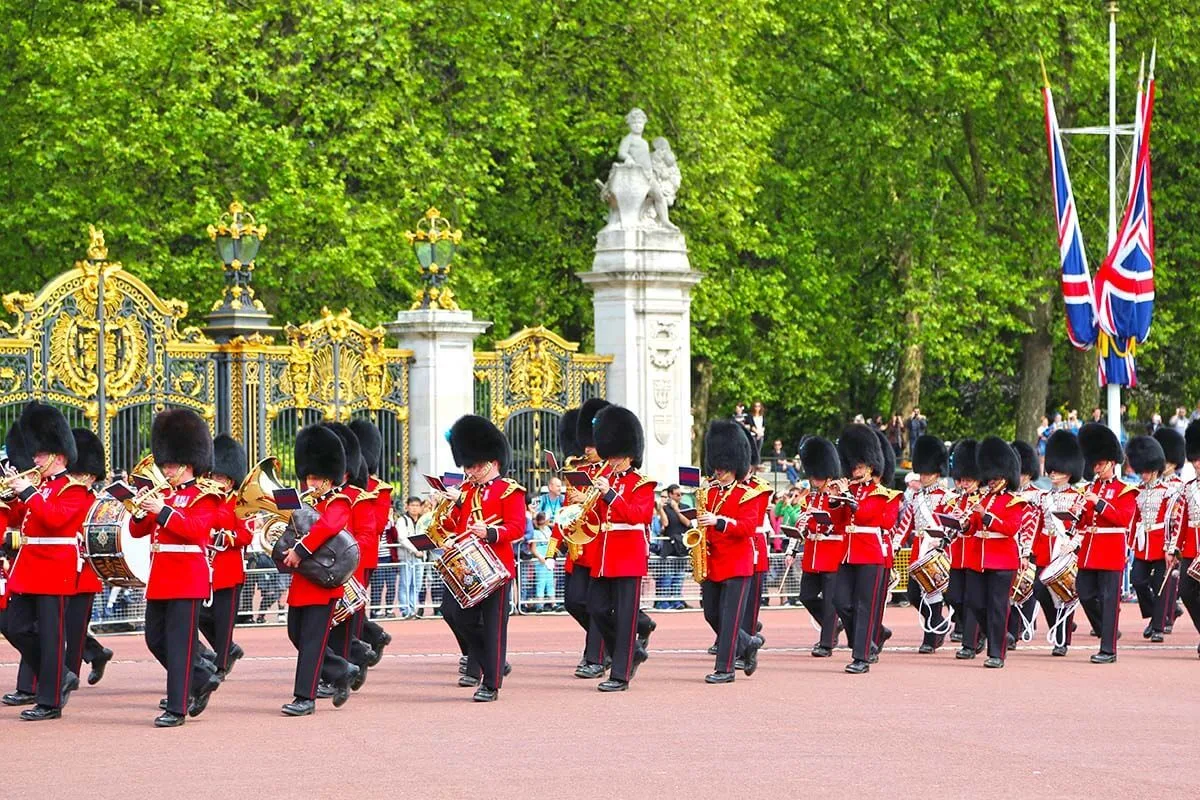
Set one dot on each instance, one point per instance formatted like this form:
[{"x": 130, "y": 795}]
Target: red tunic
[
  {"x": 1105, "y": 525},
  {"x": 1150, "y": 529},
  {"x": 334, "y": 509},
  {"x": 761, "y": 500},
  {"x": 824, "y": 545},
  {"x": 383, "y": 515},
  {"x": 997, "y": 530},
  {"x": 501, "y": 506},
  {"x": 962, "y": 548},
  {"x": 363, "y": 515},
  {"x": 229, "y": 537},
  {"x": 1187, "y": 541},
  {"x": 624, "y": 542},
  {"x": 590, "y": 555},
  {"x": 54, "y": 512},
  {"x": 916, "y": 518},
  {"x": 731, "y": 540},
  {"x": 181, "y": 531},
  {"x": 1050, "y": 529},
  {"x": 870, "y": 528}
]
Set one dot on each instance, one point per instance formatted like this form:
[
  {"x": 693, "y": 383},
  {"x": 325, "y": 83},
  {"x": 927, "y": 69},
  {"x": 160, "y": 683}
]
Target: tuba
[
  {"x": 257, "y": 495},
  {"x": 696, "y": 540},
  {"x": 146, "y": 472}
]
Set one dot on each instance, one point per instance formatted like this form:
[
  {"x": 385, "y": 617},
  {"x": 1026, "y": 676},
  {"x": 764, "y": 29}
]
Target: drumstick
[{"x": 783, "y": 578}]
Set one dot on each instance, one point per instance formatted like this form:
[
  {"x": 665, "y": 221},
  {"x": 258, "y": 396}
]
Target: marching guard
[
  {"x": 491, "y": 509},
  {"x": 45, "y": 572},
  {"x": 87, "y": 469},
  {"x": 964, "y": 471},
  {"x": 824, "y": 541},
  {"x": 230, "y": 536},
  {"x": 1060, "y": 508},
  {"x": 728, "y": 521},
  {"x": 370, "y": 442},
  {"x": 625, "y": 508},
  {"x": 1149, "y": 572},
  {"x": 1186, "y": 545},
  {"x": 919, "y": 529},
  {"x": 760, "y": 493},
  {"x": 1175, "y": 454},
  {"x": 1021, "y": 624},
  {"x": 179, "y": 517},
  {"x": 1103, "y": 531}
]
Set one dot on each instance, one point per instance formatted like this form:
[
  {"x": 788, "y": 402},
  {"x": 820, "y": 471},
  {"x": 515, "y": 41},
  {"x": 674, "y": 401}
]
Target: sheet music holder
[
  {"x": 286, "y": 499},
  {"x": 120, "y": 491},
  {"x": 578, "y": 479},
  {"x": 689, "y": 476},
  {"x": 949, "y": 523},
  {"x": 435, "y": 483},
  {"x": 422, "y": 542},
  {"x": 791, "y": 532},
  {"x": 551, "y": 461},
  {"x": 453, "y": 480}
]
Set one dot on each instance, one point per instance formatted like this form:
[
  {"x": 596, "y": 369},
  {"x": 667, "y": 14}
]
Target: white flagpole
[{"x": 1114, "y": 390}]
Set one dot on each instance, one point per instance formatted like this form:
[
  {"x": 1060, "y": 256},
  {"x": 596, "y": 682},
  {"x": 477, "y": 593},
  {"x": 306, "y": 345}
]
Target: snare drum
[
  {"x": 1059, "y": 579},
  {"x": 931, "y": 572},
  {"x": 353, "y": 600},
  {"x": 1193, "y": 569},
  {"x": 471, "y": 571},
  {"x": 118, "y": 558},
  {"x": 1022, "y": 588}
]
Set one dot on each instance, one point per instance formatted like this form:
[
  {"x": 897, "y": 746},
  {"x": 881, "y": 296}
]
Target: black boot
[{"x": 99, "y": 663}]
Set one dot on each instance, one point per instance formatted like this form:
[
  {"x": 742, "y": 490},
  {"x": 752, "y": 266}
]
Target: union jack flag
[
  {"x": 1125, "y": 281},
  {"x": 1076, "y": 280}
]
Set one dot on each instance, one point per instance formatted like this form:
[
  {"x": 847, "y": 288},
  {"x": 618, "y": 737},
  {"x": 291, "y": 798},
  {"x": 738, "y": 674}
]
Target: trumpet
[{"x": 33, "y": 475}]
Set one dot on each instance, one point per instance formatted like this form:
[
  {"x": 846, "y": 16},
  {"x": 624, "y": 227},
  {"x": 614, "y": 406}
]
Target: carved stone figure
[{"x": 641, "y": 185}]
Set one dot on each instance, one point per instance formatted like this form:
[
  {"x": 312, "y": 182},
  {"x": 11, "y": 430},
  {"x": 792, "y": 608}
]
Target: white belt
[
  {"x": 864, "y": 529},
  {"x": 1160, "y": 526},
  {"x": 176, "y": 548},
  {"x": 1110, "y": 530},
  {"x": 990, "y": 535},
  {"x": 832, "y": 537},
  {"x": 47, "y": 540},
  {"x": 625, "y": 526}
]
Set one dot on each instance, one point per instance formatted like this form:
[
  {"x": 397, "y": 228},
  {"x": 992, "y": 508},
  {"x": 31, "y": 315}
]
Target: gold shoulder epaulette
[
  {"x": 340, "y": 495},
  {"x": 1017, "y": 500},
  {"x": 380, "y": 486},
  {"x": 208, "y": 486},
  {"x": 74, "y": 479},
  {"x": 364, "y": 495},
  {"x": 1129, "y": 487},
  {"x": 513, "y": 486},
  {"x": 642, "y": 480},
  {"x": 758, "y": 482},
  {"x": 753, "y": 490},
  {"x": 889, "y": 494}
]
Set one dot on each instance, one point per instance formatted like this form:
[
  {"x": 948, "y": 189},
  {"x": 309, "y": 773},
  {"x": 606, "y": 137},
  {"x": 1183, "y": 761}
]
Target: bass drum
[{"x": 118, "y": 558}]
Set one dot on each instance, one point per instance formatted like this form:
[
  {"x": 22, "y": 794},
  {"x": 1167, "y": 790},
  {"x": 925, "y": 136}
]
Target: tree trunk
[
  {"x": 906, "y": 392},
  {"x": 1036, "y": 349},
  {"x": 1083, "y": 387},
  {"x": 702, "y": 370}
]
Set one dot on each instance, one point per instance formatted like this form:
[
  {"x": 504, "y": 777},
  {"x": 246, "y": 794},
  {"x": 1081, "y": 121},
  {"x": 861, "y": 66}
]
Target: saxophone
[{"x": 696, "y": 540}]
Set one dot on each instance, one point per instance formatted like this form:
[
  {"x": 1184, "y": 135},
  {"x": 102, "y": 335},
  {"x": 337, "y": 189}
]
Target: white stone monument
[
  {"x": 641, "y": 282},
  {"x": 441, "y": 383}
]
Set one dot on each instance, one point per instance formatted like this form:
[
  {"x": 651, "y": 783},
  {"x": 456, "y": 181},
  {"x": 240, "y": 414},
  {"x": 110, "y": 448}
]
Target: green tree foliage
[{"x": 865, "y": 182}]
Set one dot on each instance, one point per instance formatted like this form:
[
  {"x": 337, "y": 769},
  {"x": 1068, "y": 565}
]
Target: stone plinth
[{"x": 441, "y": 382}]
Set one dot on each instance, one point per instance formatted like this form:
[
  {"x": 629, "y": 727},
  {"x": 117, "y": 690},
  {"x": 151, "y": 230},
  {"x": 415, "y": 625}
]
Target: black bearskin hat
[
  {"x": 997, "y": 459},
  {"x": 819, "y": 458},
  {"x": 353, "y": 450},
  {"x": 229, "y": 459},
  {"x": 1098, "y": 443},
  {"x": 1145, "y": 454},
  {"x": 859, "y": 445},
  {"x": 89, "y": 459},
  {"x": 618, "y": 433},
  {"x": 475, "y": 440},
  {"x": 888, "y": 475},
  {"x": 752, "y": 444},
  {"x": 45, "y": 430},
  {"x": 929, "y": 455},
  {"x": 1029, "y": 459},
  {"x": 584, "y": 426},
  {"x": 14, "y": 449},
  {"x": 725, "y": 448},
  {"x": 964, "y": 460},
  {"x": 319, "y": 452},
  {"x": 370, "y": 442},
  {"x": 180, "y": 436},
  {"x": 1191, "y": 436},
  {"x": 1174, "y": 448},
  {"x": 1064, "y": 455},
  {"x": 568, "y": 437}
]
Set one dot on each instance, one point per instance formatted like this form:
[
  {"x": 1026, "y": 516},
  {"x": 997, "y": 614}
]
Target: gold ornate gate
[
  {"x": 526, "y": 384},
  {"x": 100, "y": 345}
]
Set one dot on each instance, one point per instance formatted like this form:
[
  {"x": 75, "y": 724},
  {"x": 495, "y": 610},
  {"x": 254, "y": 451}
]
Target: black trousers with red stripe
[
  {"x": 1147, "y": 578},
  {"x": 171, "y": 636},
  {"x": 988, "y": 595},
  {"x": 575, "y": 600},
  {"x": 308, "y": 630},
  {"x": 79, "y": 611},
  {"x": 216, "y": 623},
  {"x": 613, "y": 605},
  {"x": 1100, "y": 596},
  {"x": 1052, "y": 612},
  {"x": 724, "y": 609},
  {"x": 365, "y": 629},
  {"x": 36, "y": 627},
  {"x": 818, "y": 591},
  {"x": 753, "y": 603},
  {"x": 857, "y": 601},
  {"x": 486, "y": 628}
]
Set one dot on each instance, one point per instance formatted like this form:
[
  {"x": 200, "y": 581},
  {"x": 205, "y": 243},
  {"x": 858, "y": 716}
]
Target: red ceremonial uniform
[
  {"x": 383, "y": 515},
  {"x": 363, "y": 517},
  {"x": 589, "y": 556},
  {"x": 230, "y": 536},
  {"x": 334, "y": 508},
  {"x": 962, "y": 548},
  {"x": 917, "y": 518},
  {"x": 731, "y": 540},
  {"x": 824, "y": 545},
  {"x": 47, "y": 562},
  {"x": 623, "y": 546},
  {"x": 1188, "y": 540},
  {"x": 759, "y": 493},
  {"x": 1150, "y": 530},
  {"x": 996, "y": 532},
  {"x": 870, "y": 529},
  {"x": 1105, "y": 525},
  {"x": 180, "y": 533},
  {"x": 499, "y": 504}
]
